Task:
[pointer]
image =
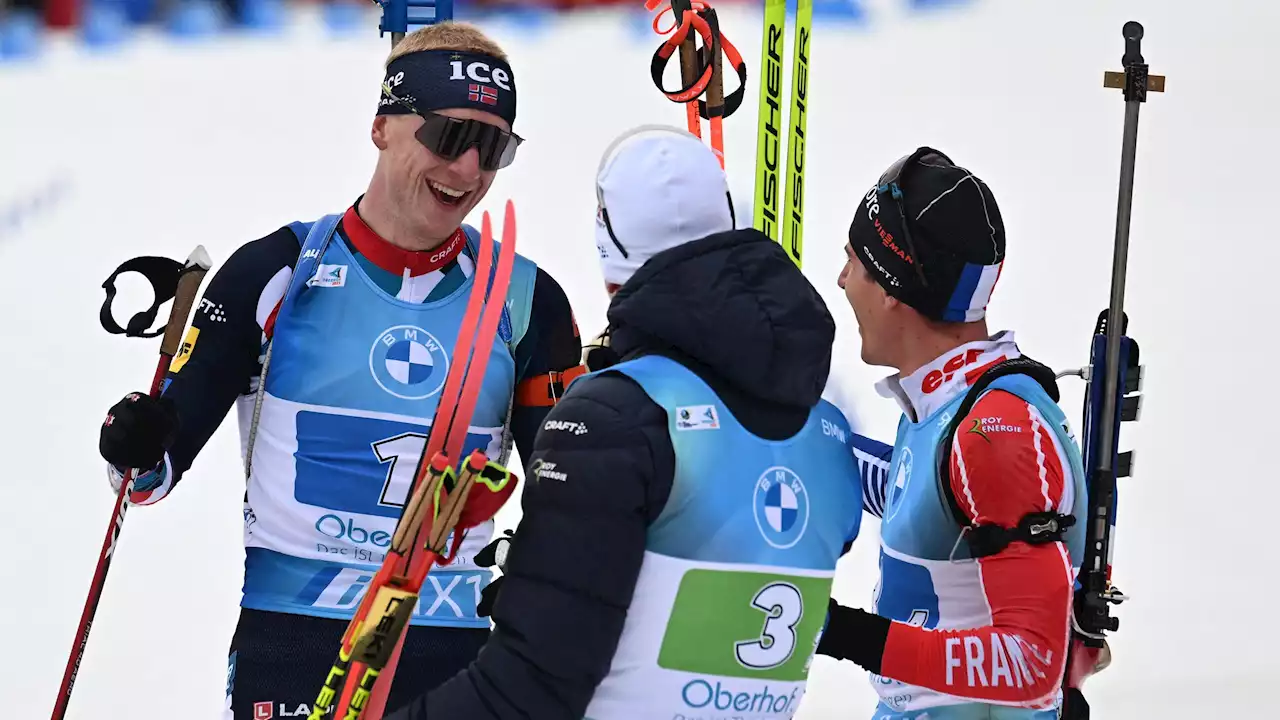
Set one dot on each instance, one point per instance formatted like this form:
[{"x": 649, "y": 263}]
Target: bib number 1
[
  {"x": 783, "y": 606},
  {"x": 403, "y": 453}
]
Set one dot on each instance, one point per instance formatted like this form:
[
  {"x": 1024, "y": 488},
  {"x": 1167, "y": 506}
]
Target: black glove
[
  {"x": 493, "y": 555},
  {"x": 598, "y": 354},
  {"x": 854, "y": 634},
  {"x": 138, "y": 430}
]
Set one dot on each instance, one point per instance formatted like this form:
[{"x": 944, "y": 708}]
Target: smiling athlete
[{"x": 332, "y": 338}]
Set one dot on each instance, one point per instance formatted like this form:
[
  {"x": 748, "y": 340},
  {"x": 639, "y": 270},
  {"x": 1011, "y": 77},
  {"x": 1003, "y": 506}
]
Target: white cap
[{"x": 658, "y": 187}]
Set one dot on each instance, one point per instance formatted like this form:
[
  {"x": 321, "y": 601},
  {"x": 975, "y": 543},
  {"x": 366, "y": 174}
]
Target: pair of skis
[
  {"x": 442, "y": 484},
  {"x": 769, "y": 127}
]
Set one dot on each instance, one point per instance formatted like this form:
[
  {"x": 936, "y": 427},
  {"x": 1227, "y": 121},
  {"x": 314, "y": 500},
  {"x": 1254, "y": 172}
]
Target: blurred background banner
[{"x": 26, "y": 24}]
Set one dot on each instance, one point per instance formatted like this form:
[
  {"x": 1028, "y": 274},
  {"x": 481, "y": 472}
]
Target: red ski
[{"x": 437, "y": 503}]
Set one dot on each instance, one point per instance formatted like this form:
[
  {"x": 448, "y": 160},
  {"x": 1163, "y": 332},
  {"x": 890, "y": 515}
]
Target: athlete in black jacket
[{"x": 730, "y": 306}]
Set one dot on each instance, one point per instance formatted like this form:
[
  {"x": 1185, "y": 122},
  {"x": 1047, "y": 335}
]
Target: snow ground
[{"x": 155, "y": 148}]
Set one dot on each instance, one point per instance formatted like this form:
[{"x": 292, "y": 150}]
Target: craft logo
[
  {"x": 901, "y": 481},
  {"x": 781, "y": 507},
  {"x": 214, "y": 311},
  {"x": 573, "y": 426},
  {"x": 408, "y": 362},
  {"x": 184, "y": 351},
  {"x": 893, "y": 279}
]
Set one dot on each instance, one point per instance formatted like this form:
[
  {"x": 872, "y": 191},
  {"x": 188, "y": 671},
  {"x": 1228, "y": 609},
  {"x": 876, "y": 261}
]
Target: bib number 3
[{"x": 783, "y": 607}]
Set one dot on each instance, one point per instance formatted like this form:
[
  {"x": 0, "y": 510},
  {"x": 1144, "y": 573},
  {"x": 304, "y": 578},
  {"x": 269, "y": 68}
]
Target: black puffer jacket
[{"x": 734, "y": 309}]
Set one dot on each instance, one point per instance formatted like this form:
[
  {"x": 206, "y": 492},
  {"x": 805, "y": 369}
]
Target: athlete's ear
[{"x": 379, "y": 132}]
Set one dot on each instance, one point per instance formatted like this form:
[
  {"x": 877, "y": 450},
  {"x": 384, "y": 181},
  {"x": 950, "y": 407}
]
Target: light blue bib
[{"x": 354, "y": 380}]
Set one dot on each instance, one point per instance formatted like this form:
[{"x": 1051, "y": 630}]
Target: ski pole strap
[
  {"x": 706, "y": 24},
  {"x": 734, "y": 99},
  {"x": 163, "y": 273}
]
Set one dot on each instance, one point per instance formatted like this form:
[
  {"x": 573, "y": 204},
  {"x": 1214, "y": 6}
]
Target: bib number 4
[{"x": 783, "y": 606}]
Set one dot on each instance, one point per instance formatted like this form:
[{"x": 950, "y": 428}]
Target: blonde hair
[{"x": 447, "y": 35}]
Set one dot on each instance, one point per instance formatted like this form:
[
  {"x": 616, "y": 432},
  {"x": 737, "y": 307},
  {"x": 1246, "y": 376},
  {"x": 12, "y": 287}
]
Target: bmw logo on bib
[
  {"x": 781, "y": 506},
  {"x": 408, "y": 362},
  {"x": 901, "y": 481}
]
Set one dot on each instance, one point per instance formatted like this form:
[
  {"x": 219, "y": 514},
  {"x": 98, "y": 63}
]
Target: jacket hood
[{"x": 735, "y": 303}]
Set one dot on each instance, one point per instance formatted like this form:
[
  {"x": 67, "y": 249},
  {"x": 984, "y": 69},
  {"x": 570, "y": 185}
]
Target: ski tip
[{"x": 199, "y": 258}]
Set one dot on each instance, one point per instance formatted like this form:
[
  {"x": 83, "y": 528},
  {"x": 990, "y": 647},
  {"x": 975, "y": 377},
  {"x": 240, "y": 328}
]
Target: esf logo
[
  {"x": 339, "y": 529},
  {"x": 408, "y": 362}
]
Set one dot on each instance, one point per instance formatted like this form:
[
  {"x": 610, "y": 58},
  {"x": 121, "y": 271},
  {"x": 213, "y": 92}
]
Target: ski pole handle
[{"x": 193, "y": 272}]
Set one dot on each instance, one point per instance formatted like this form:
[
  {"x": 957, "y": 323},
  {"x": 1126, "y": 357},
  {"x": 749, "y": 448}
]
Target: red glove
[
  {"x": 492, "y": 487},
  {"x": 1086, "y": 661}
]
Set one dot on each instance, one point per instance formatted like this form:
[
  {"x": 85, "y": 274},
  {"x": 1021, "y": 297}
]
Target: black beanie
[{"x": 945, "y": 261}]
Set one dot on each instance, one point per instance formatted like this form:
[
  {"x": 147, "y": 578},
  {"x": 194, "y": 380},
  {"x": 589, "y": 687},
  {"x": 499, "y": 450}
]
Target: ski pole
[
  {"x": 688, "y": 63},
  {"x": 192, "y": 274},
  {"x": 701, "y": 70}
]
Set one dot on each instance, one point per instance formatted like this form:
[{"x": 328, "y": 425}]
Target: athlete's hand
[
  {"x": 493, "y": 555},
  {"x": 597, "y": 354},
  {"x": 138, "y": 431},
  {"x": 1086, "y": 662}
]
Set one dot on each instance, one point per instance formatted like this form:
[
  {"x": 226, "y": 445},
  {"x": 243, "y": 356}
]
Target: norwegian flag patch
[{"x": 482, "y": 94}]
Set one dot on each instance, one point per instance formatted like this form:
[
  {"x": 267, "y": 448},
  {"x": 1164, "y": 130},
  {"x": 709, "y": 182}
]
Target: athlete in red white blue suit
[{"x": 980, "y": 536}]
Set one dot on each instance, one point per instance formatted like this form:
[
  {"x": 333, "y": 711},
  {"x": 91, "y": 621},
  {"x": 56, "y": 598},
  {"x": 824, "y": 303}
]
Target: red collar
[{"x": 394, "y": 259}]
